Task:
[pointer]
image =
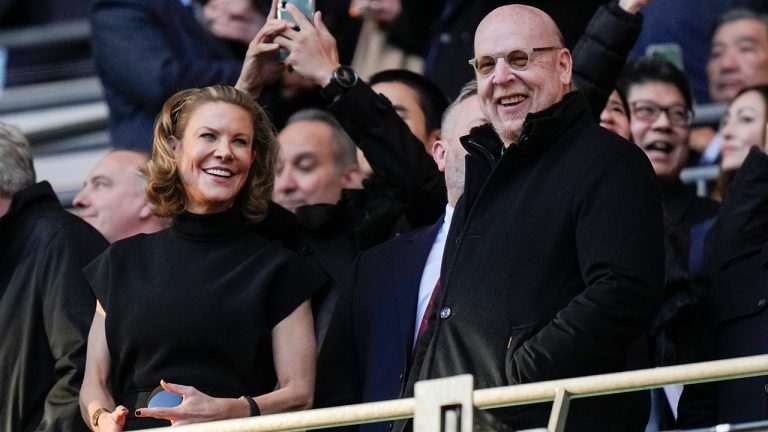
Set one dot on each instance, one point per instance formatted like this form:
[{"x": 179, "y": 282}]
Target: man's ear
[
  {"x": 565, "y": 62},
  {"x": 352, "y": 177},
  {"x": 439, "y": 154},
  {"x": 433, "y": 136},
  {"x": 363, "y": 165}
]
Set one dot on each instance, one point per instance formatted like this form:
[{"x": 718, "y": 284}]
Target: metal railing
[
  {"x": 560, "y": 391},
  {"x": 708, "y": 114},
  {"x": 701, "y": 176}
]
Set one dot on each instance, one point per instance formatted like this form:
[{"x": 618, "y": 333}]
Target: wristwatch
[
  {"x": 343, "y": 78},
  {"x": 95, "y": 416}
]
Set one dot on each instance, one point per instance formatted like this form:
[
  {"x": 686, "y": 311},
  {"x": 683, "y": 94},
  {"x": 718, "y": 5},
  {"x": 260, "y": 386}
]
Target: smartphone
[
  {"x": 160, "y": 398},
  {"x": 307, "y": 7},
  {"x": 670, "y": 52}
]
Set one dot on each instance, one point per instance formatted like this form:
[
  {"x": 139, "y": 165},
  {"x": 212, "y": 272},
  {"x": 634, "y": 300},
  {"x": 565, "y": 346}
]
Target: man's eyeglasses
[
  {"x": 517, "y": 59},
  {"x": 678, "y": 115}
]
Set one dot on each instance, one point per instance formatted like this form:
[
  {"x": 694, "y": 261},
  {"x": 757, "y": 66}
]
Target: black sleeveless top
[{"x": 195, "y": 305}]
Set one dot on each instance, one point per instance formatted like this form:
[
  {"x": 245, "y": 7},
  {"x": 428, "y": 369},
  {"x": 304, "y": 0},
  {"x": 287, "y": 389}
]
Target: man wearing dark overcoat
[
  {"x": 554, "y": 262},
  {"x": 46, "y": 307}
]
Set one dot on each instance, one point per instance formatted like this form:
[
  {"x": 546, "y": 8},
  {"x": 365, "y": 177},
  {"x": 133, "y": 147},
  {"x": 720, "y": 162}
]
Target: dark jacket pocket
[{"x": 517, "y": 337}]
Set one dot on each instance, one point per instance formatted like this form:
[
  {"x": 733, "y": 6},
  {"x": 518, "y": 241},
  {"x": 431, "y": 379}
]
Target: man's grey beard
[{"x": 507, "y": 138}]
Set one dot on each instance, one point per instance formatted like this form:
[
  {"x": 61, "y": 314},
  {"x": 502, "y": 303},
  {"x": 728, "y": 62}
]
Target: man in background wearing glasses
[
  {"x": 554, "y": 262},
  {"x": 660, "y": 112}
]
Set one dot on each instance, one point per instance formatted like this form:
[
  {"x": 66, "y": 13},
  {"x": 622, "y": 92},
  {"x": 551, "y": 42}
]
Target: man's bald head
[
  {"x": 113, "y": 198},
  {"x": 518, "y": 14},
  {"x": 509, "y": 87}
]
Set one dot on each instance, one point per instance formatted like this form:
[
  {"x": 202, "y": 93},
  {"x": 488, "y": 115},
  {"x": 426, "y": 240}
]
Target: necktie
[
  {"x": 428, "y": 312},
  {"x": 426, "y": 330}
]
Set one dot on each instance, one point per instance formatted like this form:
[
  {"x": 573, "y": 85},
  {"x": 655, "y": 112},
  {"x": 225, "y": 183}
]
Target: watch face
[{"x": 346, "y": 76}]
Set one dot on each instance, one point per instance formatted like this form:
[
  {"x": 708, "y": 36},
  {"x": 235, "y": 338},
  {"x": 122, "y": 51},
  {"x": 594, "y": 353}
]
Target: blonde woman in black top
[{"x": 208, "y": 310}]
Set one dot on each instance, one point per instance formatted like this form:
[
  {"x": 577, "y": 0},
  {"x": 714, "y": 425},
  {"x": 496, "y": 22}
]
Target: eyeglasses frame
[
  {"x": 528, "y": 51},
  {"x": 665, "y": 110}
]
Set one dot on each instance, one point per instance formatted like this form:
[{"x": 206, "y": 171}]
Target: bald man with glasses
[{"x": 554, "y": 261}]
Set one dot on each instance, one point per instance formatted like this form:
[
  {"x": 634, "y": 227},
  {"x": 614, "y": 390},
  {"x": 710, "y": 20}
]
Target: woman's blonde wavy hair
[{"x": 165, "y": 188}]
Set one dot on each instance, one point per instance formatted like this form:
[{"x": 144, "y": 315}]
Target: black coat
[
  {"x": 553, "y": 266},
  {"x": 406, "y": 190},
  {"x": 46, "y": 308},
  {"x": 737, "y": 252},
  {"x": 601, "y": 52},
  {"x": 676, "y": 330}
]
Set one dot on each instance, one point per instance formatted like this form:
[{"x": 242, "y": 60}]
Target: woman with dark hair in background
[
  {"x": 737, "y": 260},
  {"x": 742, "y": 127},
  {"x": 208, "y": 309}
]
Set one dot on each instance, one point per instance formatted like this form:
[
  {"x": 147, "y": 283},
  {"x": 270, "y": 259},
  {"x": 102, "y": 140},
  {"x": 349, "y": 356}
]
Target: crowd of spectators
[{"x": 273, "y": 232}]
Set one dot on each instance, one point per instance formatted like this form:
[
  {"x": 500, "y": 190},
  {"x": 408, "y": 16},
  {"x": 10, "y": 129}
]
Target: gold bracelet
[{"x": 96, "y": 414}]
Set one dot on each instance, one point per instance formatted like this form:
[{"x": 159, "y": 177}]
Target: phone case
[
  {"x": 307, "y": 7},
  {"x": 160, "y": 398}
]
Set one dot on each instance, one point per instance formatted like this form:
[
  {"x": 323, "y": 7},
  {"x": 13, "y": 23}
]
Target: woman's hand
[
  {"x": 313, "y": 52},
  {"x": 195, "y": 407},
  {"x": 262, "y": 65}
]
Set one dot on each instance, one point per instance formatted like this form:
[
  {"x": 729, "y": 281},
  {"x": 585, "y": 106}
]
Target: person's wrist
[
  {"x": 324, "y": 75},
  {"x": 247, "y": 87},
  {"x": 343, "y": 78},
  {"x": 252, "y": 408},
  {"x": 96, "y": 416}
]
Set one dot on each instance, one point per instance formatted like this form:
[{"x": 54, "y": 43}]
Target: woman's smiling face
[{"x": 214, "y": 156}]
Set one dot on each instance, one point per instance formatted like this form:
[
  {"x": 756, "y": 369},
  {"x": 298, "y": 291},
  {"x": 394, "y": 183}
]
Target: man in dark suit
[
  {"x": 554, "y": 262},
  {"x": 387, "y": 311}
]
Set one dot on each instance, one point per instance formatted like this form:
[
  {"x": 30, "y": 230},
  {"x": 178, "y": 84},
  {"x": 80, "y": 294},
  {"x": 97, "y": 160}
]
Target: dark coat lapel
[{"x": 413, "y": 257}]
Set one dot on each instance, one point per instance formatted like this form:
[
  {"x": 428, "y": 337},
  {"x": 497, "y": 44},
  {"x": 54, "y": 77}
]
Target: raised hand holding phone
[
  {"x": 313, "y": 52},
  {"x": 261, "y": 65}
]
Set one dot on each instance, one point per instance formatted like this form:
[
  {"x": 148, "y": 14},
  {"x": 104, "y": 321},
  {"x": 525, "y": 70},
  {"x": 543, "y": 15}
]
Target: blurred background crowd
[{"x": 367, "y": 151}]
